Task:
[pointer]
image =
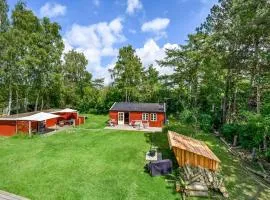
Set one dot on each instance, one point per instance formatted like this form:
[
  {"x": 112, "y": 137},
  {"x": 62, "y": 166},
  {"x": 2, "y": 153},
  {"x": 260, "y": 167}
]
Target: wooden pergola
[{"x": 192, "y": 152}]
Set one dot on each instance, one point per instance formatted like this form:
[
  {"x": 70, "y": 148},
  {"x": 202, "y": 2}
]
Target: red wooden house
[{"x": 153, "y": 114}]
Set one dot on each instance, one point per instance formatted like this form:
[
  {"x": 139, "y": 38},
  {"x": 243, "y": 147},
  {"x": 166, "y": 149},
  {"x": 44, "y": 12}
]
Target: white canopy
[
  {"x": 66, "y": 110},
  {"x": 39, "y": 117}
]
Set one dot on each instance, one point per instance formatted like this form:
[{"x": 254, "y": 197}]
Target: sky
[{"x": 98, "y": 28}]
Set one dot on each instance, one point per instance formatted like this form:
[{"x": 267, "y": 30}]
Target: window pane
[
  {"x": 153, "y": 116},
  {"x": 145, "y": 116}
]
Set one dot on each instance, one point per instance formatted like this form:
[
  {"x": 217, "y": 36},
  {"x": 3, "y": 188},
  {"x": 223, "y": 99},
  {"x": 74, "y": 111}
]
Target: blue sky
[{"x": 98, "y": 28}]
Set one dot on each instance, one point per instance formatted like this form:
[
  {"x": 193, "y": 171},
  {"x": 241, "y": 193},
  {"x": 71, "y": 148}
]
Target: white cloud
[
  {"x": 133, "y": 5},
  {"x": 96, "y": 3},
  {"x": 151, "y": 52},
  {"x": 96, "y": 41},
  {"x": 156, "y": 26},
  {"x": 52, "y": 10}
]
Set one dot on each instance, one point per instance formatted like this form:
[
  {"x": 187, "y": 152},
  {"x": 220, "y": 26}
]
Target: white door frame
[{"x": 121, "y": 122}]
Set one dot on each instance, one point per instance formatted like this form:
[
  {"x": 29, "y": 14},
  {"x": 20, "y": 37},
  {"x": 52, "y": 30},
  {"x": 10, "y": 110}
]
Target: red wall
[
  {"x": 138, "y": 116},
  {"x": 114, "y": 115},
  {"x": 51, "y": 122},
  {"x": 7, "y": 128},
  {"x": 80, "y": 120},
  {"x": 67, "y": 116},
  {"x": 23, "y": 126}
]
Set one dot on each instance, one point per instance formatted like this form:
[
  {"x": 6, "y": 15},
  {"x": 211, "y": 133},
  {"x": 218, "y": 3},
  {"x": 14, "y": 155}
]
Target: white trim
[
  {"x": 151, "y": 114},
  {"x": 112, "y": 105},
  {"x": 147, "y": 114},
  {"x": 66, "y": 110}
]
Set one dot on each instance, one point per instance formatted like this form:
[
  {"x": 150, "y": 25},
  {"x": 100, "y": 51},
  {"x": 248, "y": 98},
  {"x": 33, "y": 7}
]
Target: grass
[
  {"x": 80, "y": 164},
  {"x": 92, "y": 163}
]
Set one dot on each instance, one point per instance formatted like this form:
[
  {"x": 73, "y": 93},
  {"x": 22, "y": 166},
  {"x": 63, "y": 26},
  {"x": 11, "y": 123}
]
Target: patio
[{"x": 131, "y": 128}]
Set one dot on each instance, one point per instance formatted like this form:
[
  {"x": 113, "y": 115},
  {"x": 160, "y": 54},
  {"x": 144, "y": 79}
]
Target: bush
[
  {"x": 229, "y": 131},
  {"x": 188, "y": 117},
  {"x": 205, "y": 122}
]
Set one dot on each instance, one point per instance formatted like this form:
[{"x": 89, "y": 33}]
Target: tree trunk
[
  {"x": 226, "y": 97},
  {"x": 17, "y": 101},
  {"x": 234, "y": 104},
  {"x": 235, "y": 140},
  {"x": 253, "y": 155},
  {"x": 257, "y": 77},
  {"x": 25, "y": 101},
  {"x": 42, "y": 103},
  {"x": 36, "y": 103},
  {"x": 264, "y": 142},
  {"x": 229, "y": 117},
  {"x": 9, "y": 101},
  {"x": 126, "y": 96},
  {"x": 258, "y": 99}
]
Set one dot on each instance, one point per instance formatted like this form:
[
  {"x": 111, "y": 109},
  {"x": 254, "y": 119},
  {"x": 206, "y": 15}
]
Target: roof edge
[
  {"x": 112, "y": 105},
  {"x": 170, "y": 137}
]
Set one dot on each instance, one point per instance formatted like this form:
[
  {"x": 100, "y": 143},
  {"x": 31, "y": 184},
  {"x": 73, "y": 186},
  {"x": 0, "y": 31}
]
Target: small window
[
  {"x": 153, "y": 116},
  {"x": 145, "y": 116}
]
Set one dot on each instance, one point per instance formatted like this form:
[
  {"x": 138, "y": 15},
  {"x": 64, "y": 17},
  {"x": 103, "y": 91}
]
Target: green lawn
[
  {"x": 80, "y": 164},
  {"x": 92, "y": 163}
]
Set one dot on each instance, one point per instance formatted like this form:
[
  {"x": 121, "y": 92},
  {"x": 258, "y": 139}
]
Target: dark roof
[{"x": 140, "y": 107}]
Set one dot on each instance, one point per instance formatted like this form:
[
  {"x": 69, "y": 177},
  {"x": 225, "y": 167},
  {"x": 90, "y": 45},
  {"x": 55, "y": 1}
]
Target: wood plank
[{"x": 9, "y": 196}]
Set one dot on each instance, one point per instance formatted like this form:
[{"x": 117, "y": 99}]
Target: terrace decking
[
  {"x": 130, "y": 128},
  {"x": 8, "y": 196}
]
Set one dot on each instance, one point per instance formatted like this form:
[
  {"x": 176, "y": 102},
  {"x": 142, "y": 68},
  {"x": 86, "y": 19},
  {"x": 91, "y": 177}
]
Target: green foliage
[
  {"x": 128, "y": 73},
  {"x": 187, "y": 116},
  {"x": 230, "y": 130},
  {"x": 4, "y": 21},
  {"x": 206, "y": 122}
]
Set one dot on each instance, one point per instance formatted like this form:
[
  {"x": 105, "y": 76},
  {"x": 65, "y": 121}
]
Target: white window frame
[
  {"x": 153, "y": 119},
  {"x": 145, "y": 118}
]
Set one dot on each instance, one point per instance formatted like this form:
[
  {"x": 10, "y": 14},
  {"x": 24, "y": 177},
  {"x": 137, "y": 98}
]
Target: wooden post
[
  {"x": 253, "y": 154},
  {"x": 235, "y": 140},
  {"x": 29, "y": 129},
  {"x": 16, "y": 127}
]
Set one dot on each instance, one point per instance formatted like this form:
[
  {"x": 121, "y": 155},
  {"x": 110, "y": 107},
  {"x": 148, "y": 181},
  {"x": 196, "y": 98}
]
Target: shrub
[
  {"x": 230, "y": 130},
  {"x": 188, "y": 116},
  {"x": 205, "y": 122}
]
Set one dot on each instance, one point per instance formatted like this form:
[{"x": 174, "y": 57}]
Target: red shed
[
  {"x": 25, "y": 122},
  {"x": 70, "y": 114},
  {"x": 153, "y": 114}
]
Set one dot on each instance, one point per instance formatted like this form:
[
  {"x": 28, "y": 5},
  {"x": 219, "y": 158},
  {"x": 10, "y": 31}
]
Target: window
[
  {"x": 153, "y": 116},
  {"x": 145, "y": 116}
]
